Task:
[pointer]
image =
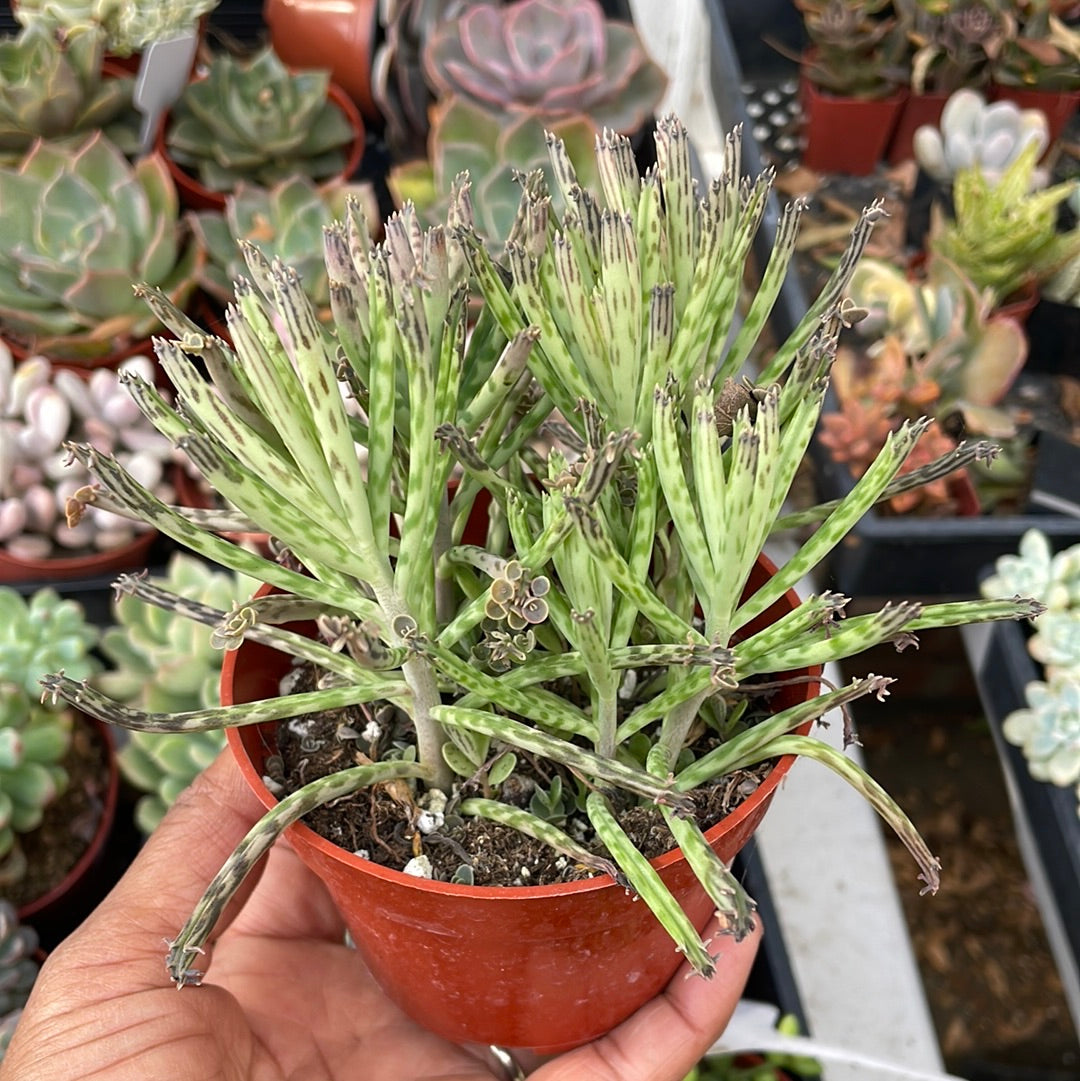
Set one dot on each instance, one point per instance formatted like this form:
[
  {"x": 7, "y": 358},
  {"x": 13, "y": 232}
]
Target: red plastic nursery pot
[
  {"x": 919, "y": 109},
  {"x": 847, "y": 135},
  {"x": 196, "y": 196},
  {"x": 1058, "y": 105},
  {"x": 545, "y": 967},
  {"x": 71, "y": 568}
]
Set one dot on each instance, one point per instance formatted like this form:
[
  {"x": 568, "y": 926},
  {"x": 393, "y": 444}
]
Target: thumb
[{"x": 158, "y": 891}]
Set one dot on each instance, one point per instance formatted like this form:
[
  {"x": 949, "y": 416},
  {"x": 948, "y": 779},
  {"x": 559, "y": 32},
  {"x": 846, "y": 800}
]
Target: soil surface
[
  {"x": 993, "y": 990},
  {"x": 69, "y": 823}
]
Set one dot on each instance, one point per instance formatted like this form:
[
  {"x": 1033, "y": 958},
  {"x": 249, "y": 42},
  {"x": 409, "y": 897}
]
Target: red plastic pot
[
  {"x": 847, "y": 135},
  {"x": 338, "y": 35},
  {"x": 1057, "y": 105},
  {"x": 71, "y": 568},
  {"x": 545, "y": 967},
  {"x": 196, "y": 196},
  {"x": 919, "y": 109},
  {"x": 56, "y": 913}
]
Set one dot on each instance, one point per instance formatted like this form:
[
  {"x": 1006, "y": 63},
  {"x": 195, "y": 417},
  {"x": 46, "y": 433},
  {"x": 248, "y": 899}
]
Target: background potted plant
[
  {"x": 251, "y": 119},
  {"x": 500, "y": 78},
  {"x": 44, "y": 533},
  {"x": 18, "y": 970},
  {"x": 51, "y": 88},
  {"x": 77, "y": 224},
  {"x": 58, "y": 779},
  {"x": 853, "y": 83},
  {"x": 594, "y": 558}
]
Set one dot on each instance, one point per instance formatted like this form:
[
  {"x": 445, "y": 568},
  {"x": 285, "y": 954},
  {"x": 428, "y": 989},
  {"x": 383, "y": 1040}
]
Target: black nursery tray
[{"x": 1047, "y": 822}]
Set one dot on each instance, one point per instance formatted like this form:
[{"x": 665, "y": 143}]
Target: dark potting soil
[
  {"x": 69, "y": 823},
  {"x": 381, "y": 822}
]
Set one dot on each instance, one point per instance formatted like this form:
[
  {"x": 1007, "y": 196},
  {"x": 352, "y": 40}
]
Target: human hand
[{"x": 285, "y": 999}]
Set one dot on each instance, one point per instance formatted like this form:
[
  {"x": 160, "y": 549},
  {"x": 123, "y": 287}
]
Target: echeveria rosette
[
  {"x": 554, "y": 58},
  {"x": 286, "y": 222},
  {"x": 78, "y": 226},
  {"x": 490, "y": 148},
  {"x": 1048, "y": 730},
  {"x": 1035, "y": 570},
  {"x": 50, "y": 89},
  {"x": 252, "y": 119},
  {"x": 129, "y": 25}
]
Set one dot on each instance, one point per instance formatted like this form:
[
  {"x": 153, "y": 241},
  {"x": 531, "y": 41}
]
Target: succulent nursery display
[
  {"x": 50, "y": 89},
  {"x": 39, "y": 634},
  {"x": 1048, "y": 728},
  {"x": 926, "y": 347},
  {"x": 41, "y": 510},
  {"x": 857, "y": 47},
  {"x": 1004, "y": 235},
  {"x": 18, "y": 969},
  {"x": 78, "y": 223},
  {"x": 973, "y": 134},
  {"x": 252, "y": 119},
  {"x": 592, "y": 641},
  {"x": 953, "y": 43},
  {"x": 129, "y": 25},
  {"x": 1043, "y": 52},
  {"x": 503, "y": 77},
  {"x": 286, "y": 221},
  {"x": 162, "y": 662}
]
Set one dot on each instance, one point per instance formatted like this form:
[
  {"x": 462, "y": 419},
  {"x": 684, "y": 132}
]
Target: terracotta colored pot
[
  {"x": 546, "y": 967},
  {"x": 919, "y": 109},
  {"x": 142, "y": 347},
  {"x": 196, "y": 196},
  {"x": 58, "y": 912},
  {"x": 847, "y": 135},
  {"x": 1058, "y": 105},
  {"x": 334, "y": 34},
  {"x": 71, "y": 568}
]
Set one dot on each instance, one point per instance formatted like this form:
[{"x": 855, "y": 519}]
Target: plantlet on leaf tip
[{"x": 626, "y": 521}]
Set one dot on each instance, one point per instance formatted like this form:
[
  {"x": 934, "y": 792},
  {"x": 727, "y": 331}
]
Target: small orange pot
[{"x": 544, "y": 967}]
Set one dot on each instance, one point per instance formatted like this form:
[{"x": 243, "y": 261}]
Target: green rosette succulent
[
  {"x": 252, "y": 119},
  {"x": 286, "y": 222},
  {"x": 37, "y": 635},
  {"x": 493, "y": 150},
  {"x": 163, "y": 662},
  {"x": 78, "y": 224},
  {"x": 129, "y": 25},
  {"x": 50, "y": 89}
]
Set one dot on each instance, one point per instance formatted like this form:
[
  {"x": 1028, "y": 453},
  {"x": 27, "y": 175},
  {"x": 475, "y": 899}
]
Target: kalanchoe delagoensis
[
  {"x": 578, "y": 399},
  {"x": 286, "y": 222},
  {"x": 252, "y": 119},
  {"x": 40, "y": 410},
  {"x": 129, "y": 25},
  {"x": 50, "y": 89},
  {"x": 161, "y": 661},
  {"x": 552, "y": 58},
  {"x": 78, "y": 224},
  {"x": 36, "y": 636},
  {"x": 973, "y": 134}
]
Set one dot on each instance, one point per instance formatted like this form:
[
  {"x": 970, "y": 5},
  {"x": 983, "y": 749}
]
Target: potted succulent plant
[
  {"x": 500, "y": 78},
  {"x": 46, "y": 533},
  {"x": 606, "y": 630},
  {"x": 1038, "y": 66},
  {"x": 77, "y": 223},
  {"x": 953, "y": 45},
  {"x": 129, "y": 25},
  {"x": 58, "y": 778},
  {"x": 51, "y": 88},
  {"x": 159, "y": 661},
  {"x": 1030, "y": 688},
  {"x": 971, "y": 134},
  {"x": 854, "y": 83},
  {"x": 251, "y": 119}
]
